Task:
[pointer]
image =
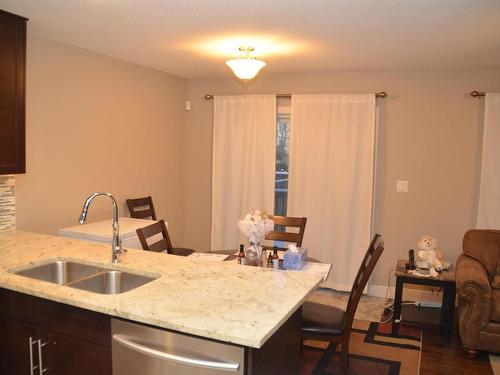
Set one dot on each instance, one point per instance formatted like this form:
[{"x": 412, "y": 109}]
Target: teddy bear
[{"x": 429, "y": 255}]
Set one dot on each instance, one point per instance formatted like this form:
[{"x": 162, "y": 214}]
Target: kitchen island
[{"x": 247, "y": 307}]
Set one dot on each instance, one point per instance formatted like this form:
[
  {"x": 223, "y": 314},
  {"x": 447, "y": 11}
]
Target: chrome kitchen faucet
[{"x": 116, "y": 246}]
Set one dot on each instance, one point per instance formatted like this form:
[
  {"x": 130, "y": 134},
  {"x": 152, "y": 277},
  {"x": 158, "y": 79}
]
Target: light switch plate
[{"x": 402, "y": 186}]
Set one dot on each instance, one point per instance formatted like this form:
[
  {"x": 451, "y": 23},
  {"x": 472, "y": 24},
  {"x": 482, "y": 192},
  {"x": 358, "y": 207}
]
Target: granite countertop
[{"x": 223, "y": 301}]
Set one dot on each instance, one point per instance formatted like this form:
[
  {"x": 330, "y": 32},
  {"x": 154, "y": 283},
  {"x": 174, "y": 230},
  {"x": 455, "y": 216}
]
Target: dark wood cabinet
[
  {"x": 62, "y": 339},
  {"x": 24, "y": 347},
  {"x": 68, "y": 355},
  {"x": 16, "y": 356},
  {"x": 12, "y": 93}
]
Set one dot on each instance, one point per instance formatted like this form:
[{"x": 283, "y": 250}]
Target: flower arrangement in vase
[{"x": 255, "y": 226}]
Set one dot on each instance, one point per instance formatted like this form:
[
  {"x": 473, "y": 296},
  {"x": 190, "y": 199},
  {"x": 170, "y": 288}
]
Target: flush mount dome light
[{"x": 246, "y": 67}]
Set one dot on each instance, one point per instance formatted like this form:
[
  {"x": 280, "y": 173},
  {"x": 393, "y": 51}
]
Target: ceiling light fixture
[{"x": 246, "y": 67}]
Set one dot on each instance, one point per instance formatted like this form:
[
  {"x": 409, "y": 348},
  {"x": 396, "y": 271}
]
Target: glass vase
[{"x": 253, "y": 254}]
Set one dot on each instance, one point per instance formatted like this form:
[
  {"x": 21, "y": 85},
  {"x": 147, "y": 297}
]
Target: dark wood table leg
[
  {"x": 444, "y": 309},
  {"x": 451, "y": 321},
  {"x": 397, "y": 305},
  {"x": 448, "y": 310}
]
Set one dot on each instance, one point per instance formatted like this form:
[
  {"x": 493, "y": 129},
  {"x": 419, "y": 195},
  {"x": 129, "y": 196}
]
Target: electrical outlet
[{"x": 402, "y": 186}]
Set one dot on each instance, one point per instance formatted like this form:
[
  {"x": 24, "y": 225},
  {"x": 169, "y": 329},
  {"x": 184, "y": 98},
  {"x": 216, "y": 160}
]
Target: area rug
[
  {"x": 495, "y": 363},
  {"x": 373, "y": 350}
]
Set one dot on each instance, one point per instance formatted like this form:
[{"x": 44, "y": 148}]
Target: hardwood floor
[{"x": 440, "y": 358}]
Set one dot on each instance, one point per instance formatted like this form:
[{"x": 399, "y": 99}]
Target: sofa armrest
[
  {"x": 484, "y": 246},
  {"x": 475, "y": 300}
]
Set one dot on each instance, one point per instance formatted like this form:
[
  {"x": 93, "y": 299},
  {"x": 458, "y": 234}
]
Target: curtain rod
[
  {"x": 381, "y": 94},
  {"x": 477, "y": 94}
]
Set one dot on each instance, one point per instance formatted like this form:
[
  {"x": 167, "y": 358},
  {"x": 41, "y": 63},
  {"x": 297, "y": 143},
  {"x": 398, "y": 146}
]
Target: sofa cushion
[
  {"x": 495, "y": 284},
  {"x": 484, "y": 246},
  {"x": 495, "y": 314}
]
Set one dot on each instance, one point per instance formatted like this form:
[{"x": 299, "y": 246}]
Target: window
[{"x": 282, "y": 154}]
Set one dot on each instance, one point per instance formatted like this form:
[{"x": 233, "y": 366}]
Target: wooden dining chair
[
  {"x": 327, "y": 323},
  {"x": 141, "y": 208},
  {"x": 164, "y": 243},
  {"x": 292, "y": 237}
]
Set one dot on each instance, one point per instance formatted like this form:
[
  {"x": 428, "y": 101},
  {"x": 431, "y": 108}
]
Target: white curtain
[
  {"x": 244, "y": 153},
  {"x": 331, "y": 178},
  {"x": 489, "y": 192}
]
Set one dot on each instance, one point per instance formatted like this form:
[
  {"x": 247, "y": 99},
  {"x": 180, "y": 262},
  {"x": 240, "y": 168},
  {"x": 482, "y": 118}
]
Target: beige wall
[
  {"x": 97, "y": 123},
  {"x": 429, "y": 133}
]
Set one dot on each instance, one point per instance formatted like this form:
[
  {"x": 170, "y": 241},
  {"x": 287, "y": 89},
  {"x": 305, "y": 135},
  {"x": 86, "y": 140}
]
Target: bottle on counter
[
  {"x": 241, "y": 255},
  {"x": 270, "y": 260},
  {"x": 276, "y": 258}
]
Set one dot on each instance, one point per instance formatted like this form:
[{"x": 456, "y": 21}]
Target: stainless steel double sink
[{"x": 86, "y": 277}]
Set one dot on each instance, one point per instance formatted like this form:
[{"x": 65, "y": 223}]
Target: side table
[{"x": 445, "y": 280}]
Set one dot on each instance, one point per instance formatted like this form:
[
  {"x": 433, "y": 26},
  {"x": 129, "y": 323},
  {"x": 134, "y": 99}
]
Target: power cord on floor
[{"x": 389, "y": 306}]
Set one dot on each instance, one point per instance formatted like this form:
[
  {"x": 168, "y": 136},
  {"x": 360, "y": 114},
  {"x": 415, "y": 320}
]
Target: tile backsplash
[{"x": 7, "y": 203}]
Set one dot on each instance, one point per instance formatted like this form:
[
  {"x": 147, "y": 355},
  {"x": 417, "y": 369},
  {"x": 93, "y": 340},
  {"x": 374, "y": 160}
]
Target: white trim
[
  {"x": 424, "y": 297},
  {"x": 329, "y": 284},
  {"x": 409, "y": 293}
]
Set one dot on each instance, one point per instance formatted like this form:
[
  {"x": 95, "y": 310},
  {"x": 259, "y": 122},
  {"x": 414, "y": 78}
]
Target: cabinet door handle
[
  {"x": 40, "y": 357},
  {"x": 32, "y": 368},
  {"x": 126, "y": 342}
]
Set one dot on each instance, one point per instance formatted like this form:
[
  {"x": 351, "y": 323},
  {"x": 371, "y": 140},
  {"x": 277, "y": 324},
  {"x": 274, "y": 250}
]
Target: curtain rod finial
[
  {"x": 381, "y": 94},
  {"x": 208, "y": 97},
  {"x": 477, "y": 94}
]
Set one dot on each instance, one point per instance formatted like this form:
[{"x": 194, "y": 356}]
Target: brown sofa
[{"x": 479, "y": 302}]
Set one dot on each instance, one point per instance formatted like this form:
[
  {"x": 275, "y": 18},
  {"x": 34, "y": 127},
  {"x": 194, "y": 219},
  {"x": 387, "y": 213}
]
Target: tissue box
[{"x": 294, "y": 261}]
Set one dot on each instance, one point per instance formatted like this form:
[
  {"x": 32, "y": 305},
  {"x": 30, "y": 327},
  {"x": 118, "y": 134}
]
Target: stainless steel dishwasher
[{"x": 138, "y": 349}]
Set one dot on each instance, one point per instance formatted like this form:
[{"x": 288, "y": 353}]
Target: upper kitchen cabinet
[{"x": 12, "y": 93}]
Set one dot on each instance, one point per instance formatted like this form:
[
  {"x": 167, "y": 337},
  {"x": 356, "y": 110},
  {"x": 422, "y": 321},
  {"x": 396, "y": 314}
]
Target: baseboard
[
  {"x": 425, "y": 295},
  {"x": 329, "y": 284}
]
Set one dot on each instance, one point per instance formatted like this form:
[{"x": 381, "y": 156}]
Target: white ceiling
[{"x": 193, "y": 38}]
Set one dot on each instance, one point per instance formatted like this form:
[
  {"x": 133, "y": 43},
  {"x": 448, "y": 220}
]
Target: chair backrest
[
  {"x": 287, "y": 222},
  {"x": 365, "y": 270},
  {"x": 141, "y": 208},
  {"x": 152, "y": 230}
]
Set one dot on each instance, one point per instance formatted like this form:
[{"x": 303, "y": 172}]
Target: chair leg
[
  {"x": 344, "y": 359},
  {"x": 344, "y": 363},
  {"x": 326, "y": 358}
]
